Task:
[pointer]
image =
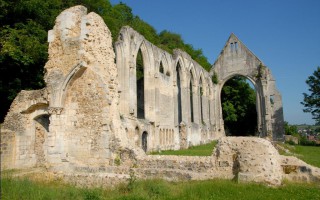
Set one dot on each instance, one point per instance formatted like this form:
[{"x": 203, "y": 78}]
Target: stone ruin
[{"x": 105, "y": 105}]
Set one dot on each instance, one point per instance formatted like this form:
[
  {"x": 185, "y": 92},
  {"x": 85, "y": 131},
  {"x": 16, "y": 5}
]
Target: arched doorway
[
  {"x": 237, "y": 59},
  {"x": 144, "y": 141},
  {"x": 239, "y": 107}
]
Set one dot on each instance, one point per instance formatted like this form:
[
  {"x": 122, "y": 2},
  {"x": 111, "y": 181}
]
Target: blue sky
[{"x": 284, "y": 34}]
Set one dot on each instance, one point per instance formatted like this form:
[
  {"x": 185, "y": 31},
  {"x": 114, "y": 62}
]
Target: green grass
[
  {"x": 309, "y": 154},
  {"x": 201, "y": 150},
  {"x": 13, "y": 188}
]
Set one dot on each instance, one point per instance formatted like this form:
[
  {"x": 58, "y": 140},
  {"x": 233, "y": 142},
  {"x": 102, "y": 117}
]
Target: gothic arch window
[
  {"x": 178, "y": 69},
  {"x": 140, "y": 85},
  {"x": 209, "y": 107},
  {"x": 191, "y": 97},
  {"x": 201, "y": 97}
]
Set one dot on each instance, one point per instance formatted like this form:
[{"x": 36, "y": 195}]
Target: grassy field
[
  {"x": 13, "y": 188},
  {"x": 201, "y": 150},
  {"x": 309, "y": 154}
]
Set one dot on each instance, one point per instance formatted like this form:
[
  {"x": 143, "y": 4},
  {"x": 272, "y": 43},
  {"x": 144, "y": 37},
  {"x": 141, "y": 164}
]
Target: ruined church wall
[
  {"x": 85, "y": 131},
  {"x": 161, "y": 91},
  {"x": 80, "y": 102},
  {"x": 20, "y": 147},
  {"x": 64, "y": 45},
  {"x": 86, "y": 96},
  {"x": 236, "y": 59},
  {"x": 8, "y": 147}
]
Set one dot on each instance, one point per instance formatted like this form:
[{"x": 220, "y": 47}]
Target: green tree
[
  {"x": 311, "y": 101},
  {"x": 170, "y": 41},
  {"x": 290, "y": 129},
  {"x": 239, "y": 107}
]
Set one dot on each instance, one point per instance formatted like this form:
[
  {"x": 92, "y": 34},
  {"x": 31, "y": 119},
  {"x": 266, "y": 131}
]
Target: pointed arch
[
  {"x": 253, "y": 111},
  {"x": 210, "y": 100},
  {"x": 179, "y": 95},
  {"x": 201, "y": 94},
  {"x": 166, "y": 67},
  {"x": 140, "y": 85},
  {"x": 58, "y": 96},
  {"x": 138, "y": 79},
  {"x": 191, "y": 90},
  {"x": 179, "y": 61}
]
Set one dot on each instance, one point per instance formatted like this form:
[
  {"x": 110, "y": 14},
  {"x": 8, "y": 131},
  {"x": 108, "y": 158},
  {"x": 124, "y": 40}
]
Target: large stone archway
[
  {"x": 259, "y": 112},
  {"x": 237, "y": 59}
]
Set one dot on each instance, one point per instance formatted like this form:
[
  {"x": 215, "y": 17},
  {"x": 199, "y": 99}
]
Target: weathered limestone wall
[
  {"x": 7, "y": 151},
  {"x": 82, "y": 83},
  {"x": 297, "y": 170},
  {"x": 18, "y": 132},
  {"x": 85, "y": 111},
  {"x": 249, "y": 159},
  {"x": 75, "y": 118},
  {"x": 161, "y": 90}
]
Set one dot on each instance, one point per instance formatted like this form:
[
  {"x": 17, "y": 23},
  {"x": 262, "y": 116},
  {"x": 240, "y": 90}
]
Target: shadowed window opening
[
  {"x": 272, "y": 99},
  {"x": 178, "y": 68},
  {"x": 161, "y": 70},
  {"x": 191, "y": 101},
  {"x": 231, "y": 47},
  {"x": 140, "y": 86},
  {"x": 201, "y": 104},
  {"x": 238, "y": 101},
  {"x": 44, "y": 121},
  {"x": 236, "y": 46},
  {"x": 144, "y": 141}
]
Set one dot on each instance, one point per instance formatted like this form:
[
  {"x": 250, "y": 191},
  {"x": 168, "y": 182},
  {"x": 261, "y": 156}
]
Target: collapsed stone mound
[{"x": 249, "y": 159}]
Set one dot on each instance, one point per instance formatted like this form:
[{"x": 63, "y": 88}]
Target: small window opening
[
  {"x": 144, "y": 141},
  {"x": 168, "y": 73},
  {"x": 231, "y": 46},
  {"x": 272, "y": 99},
  {"x": 161, "y": 70},
  {"x": 236, "y": 46}
]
